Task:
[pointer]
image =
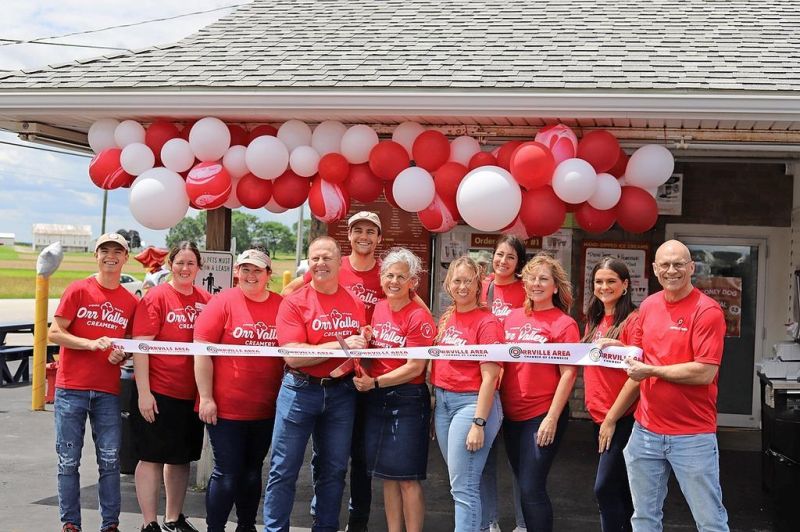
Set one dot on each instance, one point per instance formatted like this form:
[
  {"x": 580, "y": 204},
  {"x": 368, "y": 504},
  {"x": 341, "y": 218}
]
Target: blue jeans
[
  {"x": 453, "y": 420},
  {"x": 239, "y": 451},
  {"x": 695, "y": 459},
  {"x": 71, "y": 410},
  {"x": 531, "y": 465},
  {"x": 611, "y": 484},
  {"x": 305, "y": 409}
]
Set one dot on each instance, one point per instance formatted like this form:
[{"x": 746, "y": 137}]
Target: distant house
[
  {"x": 72, "y": 237},
  {"x": 7, "y": 239}
]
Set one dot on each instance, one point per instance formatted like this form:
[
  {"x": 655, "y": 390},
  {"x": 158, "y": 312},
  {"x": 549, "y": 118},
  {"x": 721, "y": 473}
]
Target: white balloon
[
  {"x": 463, "y": 148},
  {"x": 650, "y": 166},
  {"x": 413, "y": 189},
  {"x": 267, "y": 157},
  {"x": 101, "y": 134},
  {"x": 233, "y": 199},
  {"x": 177, "y": 155},
  {"x": 274, "y": 207},
  {"x": 653, "y": 191},
  {"x": 406, "y": 133},
  {"x": 209, "y": 138},
  {"x": 136, "y": 158},
  {"x": 304, "y": 161},
  {"x": 607, "y": 193},
  {"x": 158, "y": 199},
  {"x": 574, "y": 180},
  {"x": 294, "y": 133},
  {"x": 622, "y": 181},
  {"x": 327, "y": 137},
  {"x": 357, "y": 143},
  {"x": 488, "y": 198},
  {"x": 128, "y": 132},
  {"x": 235, "y": 161}
]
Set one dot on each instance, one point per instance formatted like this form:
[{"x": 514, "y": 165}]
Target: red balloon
[
  {"x": 600, "y": 149},
  {"x": 387, "y": 159},
  {"x": 334, "y": 168},
  {"x": 290, "y": 190},
  {"x": 532, "y": 165},
  {"x": 505, "y": 152},
  {"x": 437, "y": 217},
  {"x": 329, "y": 202},
  {"x": 637, "y": 210},
  {"x": 260, "y": 131},
  {"x": 594, "y": 220},
  {"x": 618, "y": 170},
  {"x": 362, "y": 185},
  {"x": 431, "y": 150},
  {"x": 253, "y": 192},
  {"x": 447, "y": 178},
  {"x": 542, "y": 212},
  {"x": 106, "y": 172},
  {"x": 482, "y": 158},
  {"x": 239, "y": 135},
  {"x": 157, "y": 134},
  {"x": 187, "y": 127},
  {"x": 208, "y": 185},
  {"x": 572, "y": 207},
  {"x": 387, "y": 193}
]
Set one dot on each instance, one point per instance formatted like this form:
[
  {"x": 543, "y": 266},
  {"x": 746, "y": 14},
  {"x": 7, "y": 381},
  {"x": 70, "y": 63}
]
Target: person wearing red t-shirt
[
  {"x": 237, "y": 393},
  {"x": 682, "y": 334},
  {"x": 535, "y": 396},
  {"x": 310, "y": 399},
  {"x": 468, "y": 414},
  {"x": 90, "y": 314},
  {"x": 610, "y": 395},
  {"x": 398, "y": 402},
  {"x": 167, "y": 434}
]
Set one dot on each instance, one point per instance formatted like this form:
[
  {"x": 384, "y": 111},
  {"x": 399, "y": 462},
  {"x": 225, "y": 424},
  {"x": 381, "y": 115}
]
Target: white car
[{"x": 131, "y": 284}]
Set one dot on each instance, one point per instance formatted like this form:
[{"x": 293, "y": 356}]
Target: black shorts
[{"x": 176, "y": 436}]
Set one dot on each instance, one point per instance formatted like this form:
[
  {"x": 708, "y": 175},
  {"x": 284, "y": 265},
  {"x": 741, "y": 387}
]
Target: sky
[{"x": 40, "y": 186}]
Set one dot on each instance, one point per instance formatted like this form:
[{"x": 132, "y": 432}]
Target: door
[{"x": 730, "y": 270}]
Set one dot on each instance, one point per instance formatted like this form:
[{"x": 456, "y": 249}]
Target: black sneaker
[
  {"x": 356, "y": 526},
  {"x": 152, "y": 526},
  {"x": 181, "y": 525},
  {"x": 245, "y": 528}
]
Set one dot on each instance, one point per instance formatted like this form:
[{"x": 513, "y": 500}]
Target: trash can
[
  {"x": 50, "y": 375},
  {"x": 127, "y": 453}
]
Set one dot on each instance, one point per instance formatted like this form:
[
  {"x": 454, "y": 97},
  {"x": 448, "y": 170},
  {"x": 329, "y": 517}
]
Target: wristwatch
[{"x": 479, "y": 421}]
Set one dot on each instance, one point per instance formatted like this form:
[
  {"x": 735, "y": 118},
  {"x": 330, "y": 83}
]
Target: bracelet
[{"x": 377, "y": 385}]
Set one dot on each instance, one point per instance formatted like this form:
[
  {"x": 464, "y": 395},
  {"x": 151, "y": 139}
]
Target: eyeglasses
[
  {"x": 665, "y": 266},
  {"x": 392, "y": 278}
]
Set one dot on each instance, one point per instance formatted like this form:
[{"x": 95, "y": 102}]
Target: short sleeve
[
  {"x": 421, "y": 329},
  {"x": 210, "y": 324},
  {"x": 629, "y": 331},
  {"x": 708, "y": 336},
  {"x": 69, "y": 304},
  {"x": 290, "y": 324},
  {"x": 490, "y": 331},
  {"x": 148, "y": 317}
]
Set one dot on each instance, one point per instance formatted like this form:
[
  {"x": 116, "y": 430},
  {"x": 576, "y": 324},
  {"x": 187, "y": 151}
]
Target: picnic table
[{"x": 9, "y": 353}]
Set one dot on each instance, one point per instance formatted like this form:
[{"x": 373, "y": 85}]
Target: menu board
[
  {"x": 633, "y": 254},
  {"x": 727, "y": 291}
]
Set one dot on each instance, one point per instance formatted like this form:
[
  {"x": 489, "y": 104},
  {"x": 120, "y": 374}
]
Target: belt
[{"x": 321, "y": 381}]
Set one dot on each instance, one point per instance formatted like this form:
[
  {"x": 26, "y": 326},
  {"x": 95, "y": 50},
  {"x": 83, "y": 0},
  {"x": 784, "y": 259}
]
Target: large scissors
[{"x": 351, "y": 364}]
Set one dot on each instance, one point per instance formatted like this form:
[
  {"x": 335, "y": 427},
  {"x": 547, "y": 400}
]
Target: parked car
[
  {"x": 131, "y": 284},
  {"x": 155, "y": 279}
]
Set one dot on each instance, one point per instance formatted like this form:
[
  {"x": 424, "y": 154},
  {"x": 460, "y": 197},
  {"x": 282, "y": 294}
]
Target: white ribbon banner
[{"x": 570, "y": 354}]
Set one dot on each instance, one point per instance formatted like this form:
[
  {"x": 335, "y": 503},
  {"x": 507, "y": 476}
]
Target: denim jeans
[
  {"x": 306, "y": 409},
  {"x": 71, "y": 410},
  {"x": 695, "y": 460},
  {"x": 531, "y": 465},
  {"x": 453, "y": 419},
  {"x": 611, "y": 484},
  {"x": 239, "y": 451}
]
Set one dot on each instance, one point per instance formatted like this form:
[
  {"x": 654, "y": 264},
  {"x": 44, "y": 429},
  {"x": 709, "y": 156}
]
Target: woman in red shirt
[
  {"x": 167, "y": 434},
  {"x": 610, "y": 395},
  {"x": 398, "y": 402},
  {"x": 468, "y": 414},
  {"x": 237, "y": 393},
  {"x": 535, "y": 396}
]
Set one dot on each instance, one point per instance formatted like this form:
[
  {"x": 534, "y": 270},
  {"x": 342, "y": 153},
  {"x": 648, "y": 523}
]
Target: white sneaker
[
  {"x": 520, "y": 529},
  {"x": 494, "y": 527}
]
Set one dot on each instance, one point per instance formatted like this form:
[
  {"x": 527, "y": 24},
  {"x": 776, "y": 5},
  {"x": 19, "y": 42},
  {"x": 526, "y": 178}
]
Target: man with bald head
[{"x": 681, "y": 331}]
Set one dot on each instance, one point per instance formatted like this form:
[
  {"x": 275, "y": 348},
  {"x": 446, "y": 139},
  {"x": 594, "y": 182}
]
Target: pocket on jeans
[
  {"x": 408, "y": 392},
  {"x": 293, "y": 381}
]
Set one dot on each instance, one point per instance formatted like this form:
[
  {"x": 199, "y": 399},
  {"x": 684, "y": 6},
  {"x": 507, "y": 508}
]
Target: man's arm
[
  {"x": 296, "y": 284},
  {"x": 696, "y": 373},
  {"x": 59, "y": 334}
]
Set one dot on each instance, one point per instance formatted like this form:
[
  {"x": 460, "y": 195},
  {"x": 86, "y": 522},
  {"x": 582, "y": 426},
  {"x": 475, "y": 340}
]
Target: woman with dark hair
[
  {"x": 610, "y": 395},
  {"x": 167, "y": 434},
  {"x": 535, "y": 396}
]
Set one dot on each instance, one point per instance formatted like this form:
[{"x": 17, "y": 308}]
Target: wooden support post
[{"x": 218, "y": 230}]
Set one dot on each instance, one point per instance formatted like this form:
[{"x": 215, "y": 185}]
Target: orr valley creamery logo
[
  {"x": 678, "y": 326},
  {"x": 183, "y": 317},
  {"x": 105, "y": 316},
  {"x": 387, "y": 334},
  {"x": 452, "y": 336},
  {"x": 258, "y": 333},
  {"x": 369, "y": 297},
  {"x": 335, "y": 321},
  {"x": 500, "y": 308},
  {"x": 526, "y": 333}
]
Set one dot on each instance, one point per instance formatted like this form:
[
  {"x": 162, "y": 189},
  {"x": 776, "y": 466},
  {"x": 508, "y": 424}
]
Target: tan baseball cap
[
  {"x": 256, "y": 258},
  {"x": 366, "y": 216},
  {"x": 116, "y": 238}
]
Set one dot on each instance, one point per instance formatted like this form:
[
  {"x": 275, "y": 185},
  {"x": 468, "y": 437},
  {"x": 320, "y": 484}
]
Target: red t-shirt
[
  {"x": 245, "y": 387},
  {"x": 169, "y": 315},
  {"x": 411, "y": 326},
  {"x": 310, "y": 317},
  {"x": 505, "y": 298},
  {"x": 692, "y": 329},
  {"x": 366, "y": 285},
  {"x": 602, "y": 385},
  {"x": 476, "y": 327},
  {"x": 93, "y": 312},
  {"x": 528, "y": 388}
]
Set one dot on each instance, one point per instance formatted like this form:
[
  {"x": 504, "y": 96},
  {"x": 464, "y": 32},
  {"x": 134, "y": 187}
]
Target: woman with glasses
[
  {"x": 468, "y": 414},
  {"x": 535, "y": 396}
]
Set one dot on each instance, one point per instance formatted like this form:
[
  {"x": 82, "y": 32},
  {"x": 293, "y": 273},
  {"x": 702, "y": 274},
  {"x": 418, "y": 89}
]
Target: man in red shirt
[
  {"x": 682, "y": 333},
  {"x": 91, "y": 313},
  {"x": 310, "y": 401}
]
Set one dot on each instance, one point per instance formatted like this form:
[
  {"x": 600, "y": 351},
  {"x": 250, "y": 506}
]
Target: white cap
[
  {"x": 366, "y": 216},
  {"x": 111, "y": 237},
  {"x": 256, "y": 258}
]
